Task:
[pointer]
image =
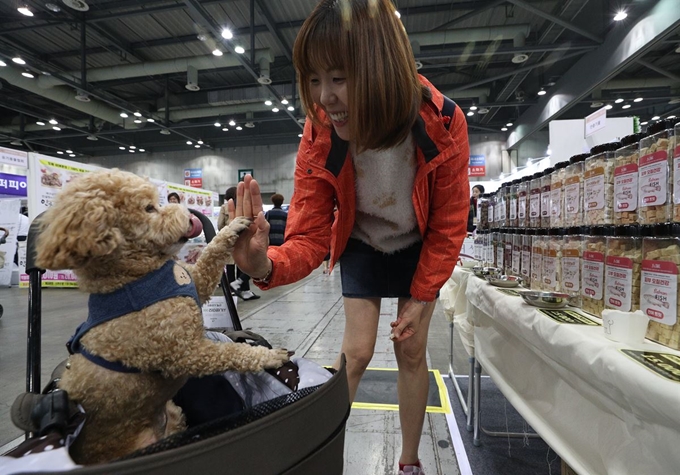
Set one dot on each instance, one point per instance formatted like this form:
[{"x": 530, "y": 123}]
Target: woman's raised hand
[{"x": 250, "y": 252}]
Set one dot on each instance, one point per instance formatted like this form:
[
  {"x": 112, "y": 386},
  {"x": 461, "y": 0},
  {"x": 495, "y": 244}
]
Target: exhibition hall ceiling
[{"x": 105, "y": 77}]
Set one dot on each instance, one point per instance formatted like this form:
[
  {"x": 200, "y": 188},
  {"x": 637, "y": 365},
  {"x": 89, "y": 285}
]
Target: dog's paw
[
  {"x": 240, "y": 224},
  {"x": 276, "y": 358}
]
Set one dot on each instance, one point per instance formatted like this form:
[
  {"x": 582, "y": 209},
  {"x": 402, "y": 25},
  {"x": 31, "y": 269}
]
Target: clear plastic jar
[
  {"x": 571, "y": 265},
  {"x": 676, "y": 172},
  {"x": 537, "y": 248},
  {"x": 654, "y": 192},
  {"x": 545, "y": 197},
  {"x": 492, "y": 210},
  {"x": 626, "y": 180},
  {"x": 659, "y": 283},
  {"x": 513, "y": 190},
  {"x": 557, "y": 195},
  {"x": 479, "y": 245},
  {"x": 489, "y": 256},
  {"x": 502, "y": 204},
  {"x": 523, "y": 202},
  {"x": 507, "y": 255},
  {"x": 516, "y": 268},
  {"x": 483, "y": 212},
  {"x": 497, "y": 207},
  {"x": 592, "y": 269},
  {"x": 552, "y": 261},
  {"x": 535, "y": 201},
  {"x": 622, "y": 269},
  {"x": 498, "y": 249},
  {"x": 525, "y": 265},
  {"x": 573, "y": 191},
  {"x": 598, "y": 191}
]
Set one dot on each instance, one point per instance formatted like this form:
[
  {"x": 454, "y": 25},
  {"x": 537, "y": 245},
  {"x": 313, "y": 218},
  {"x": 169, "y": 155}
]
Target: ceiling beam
[
  {"x": 479, "y": 9},
  {"x": 659, "y": 70},
  {"x": 273, "y": 29},
  {"x": 563, "y": 23},
  {"x": 624, "y": 45}
]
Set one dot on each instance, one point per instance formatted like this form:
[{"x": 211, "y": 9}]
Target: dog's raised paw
[
  {"x": 276, "y": 358},
  {"x": 240, "y": 224}
]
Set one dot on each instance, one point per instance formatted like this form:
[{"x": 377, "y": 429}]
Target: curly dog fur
[{"x": 107, "y": 227}]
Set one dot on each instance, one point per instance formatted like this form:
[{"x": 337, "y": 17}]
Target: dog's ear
[{"x": 80, "y": 227}]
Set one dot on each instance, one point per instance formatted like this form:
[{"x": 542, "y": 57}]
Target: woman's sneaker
[
  {"x": 412, "y": 470},
  {"x": 248, "y": 295}
]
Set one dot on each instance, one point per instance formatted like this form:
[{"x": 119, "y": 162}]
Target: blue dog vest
[{"x": 154, "y": 287}]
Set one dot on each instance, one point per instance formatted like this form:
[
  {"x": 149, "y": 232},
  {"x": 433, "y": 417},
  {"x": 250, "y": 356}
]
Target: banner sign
[
  {"x": 243, "y": 172},
  {"x": 596, "y": 121},
  {"x": 477, "y": 165},
  {"x": 16, "y": 158},
  {"x": 200, "y": 200},
  {"x": 15, "y": 185},
  {"x": 193, "y": 177},
  {"x": 9, "y": 220}
]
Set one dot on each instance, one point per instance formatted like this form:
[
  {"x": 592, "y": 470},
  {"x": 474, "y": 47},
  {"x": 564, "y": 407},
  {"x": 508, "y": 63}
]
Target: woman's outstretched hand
[{"x": 250, "y": 252}]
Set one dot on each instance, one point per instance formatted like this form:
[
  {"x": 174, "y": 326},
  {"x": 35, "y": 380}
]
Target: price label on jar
[
  {"x": 659, "y": 291},
  {"x": 571, "y": 270},
  {"x": 653, "y": 178},
  {"x": 499, "y": 255},
  {"x": 594, "y": 189},
  {"x": 625, "y": 188},
  {"x": 592, "y": 275},
  {"x": 478, "y": 251},
  {"x": 676, "y": 183},
  {"x": 501, "y": 210},
  {"x": 491, "y": 215},
  {"x": 572, "y": 195},
  {"x": 535, "y": 203},
  {"x": 536, "y": 264},
  {"x": 522, "y": 206},
  {"x": 550, "y": 269},
  {"x": 526, "y": 261},
  {"x": 618, "y": 283},
  {"x": 513, "y": 208},
  {"x": 545, "y": 202},
  {"x": 516, "y": 260},
  {"x": 555, "y": 201}
]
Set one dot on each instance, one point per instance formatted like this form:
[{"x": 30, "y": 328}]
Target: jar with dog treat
[
  {"x": 654, "y": 192},
  {"x": 489, "y": 256},
  {"x": 502, "y": 205},
  {"x": 573, "y": 191},
  {"x": 598, "y": 203},
  {"x": 571, "y": 265},
  {"x": 517, "y": 237},
  {"x": 626, "y": 180},
  {"x": 659, "y": 283},
  {"x": 535, "y": 201},
  {"x": 676, "y": 172},
  {"x": 552, "y": 261},
  {"x": 507, "y": 255},
  {"x": 513, "y": 190},
  {"x": 557, "y": 195},
  {"x": 498, "y": 249},
  {"x": 622, "y": 269},
  {"x": 483, "y": 212},
  {"x": 522, "y": 202},
  {"x": 537, "y": 249},
  {"x": 545, "y": 197},
  {"x": 526, "y": 256},
  {"x": 592, "y": 269}
]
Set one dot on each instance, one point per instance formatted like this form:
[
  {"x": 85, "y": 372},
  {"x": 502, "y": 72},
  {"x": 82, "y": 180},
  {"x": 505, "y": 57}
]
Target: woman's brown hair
[{"x": 366, "y": 40}]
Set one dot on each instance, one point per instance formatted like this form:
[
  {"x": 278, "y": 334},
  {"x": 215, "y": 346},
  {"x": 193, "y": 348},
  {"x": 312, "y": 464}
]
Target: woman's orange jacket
[{"x": 324, "y": 179}]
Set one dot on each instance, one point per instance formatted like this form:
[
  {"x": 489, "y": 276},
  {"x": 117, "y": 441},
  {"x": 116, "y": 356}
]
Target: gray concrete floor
[{"x": 307, "y": 317}]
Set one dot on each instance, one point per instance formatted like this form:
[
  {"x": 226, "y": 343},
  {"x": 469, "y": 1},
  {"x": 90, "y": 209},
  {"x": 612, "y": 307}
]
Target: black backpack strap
[{"x": 448, "y": 110}]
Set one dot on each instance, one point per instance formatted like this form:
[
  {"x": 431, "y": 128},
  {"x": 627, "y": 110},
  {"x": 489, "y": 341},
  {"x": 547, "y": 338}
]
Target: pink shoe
[{"x": 412, "y": 470}]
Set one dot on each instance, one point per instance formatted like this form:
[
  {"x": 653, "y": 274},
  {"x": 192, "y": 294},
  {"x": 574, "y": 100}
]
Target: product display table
[{"x": 600, "y": 410}]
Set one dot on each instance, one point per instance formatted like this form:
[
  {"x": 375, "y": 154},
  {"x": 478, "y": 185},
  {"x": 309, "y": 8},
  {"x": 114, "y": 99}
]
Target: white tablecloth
[
  {"x": 602, "y": 412},
  {"x": 455, "y": 306}
]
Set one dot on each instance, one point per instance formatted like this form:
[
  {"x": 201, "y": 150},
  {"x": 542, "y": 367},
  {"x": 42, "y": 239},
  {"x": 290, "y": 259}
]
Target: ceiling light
[
  {"x": 625, "y": 106},
  {"x": 69, "y": 151},
  {"x": 199, "y": 142},
  {"x": 18, "y": 60},
  {"x": 473, "y": 108},
  {"x": 670, "y": 117},
  {"x": 509, "y": 124},
  {"x": 638, "y": 99},
  {"x": 300, "y": 135},
  {"x": 227, "y": 34},
  {"x": 541, "y": 92},
  {"x": 284, "y": 101},
  {"x": 267, "y": 102},
  {"x": 483, "y": 111},
  {"x": 138, "y": 121},
  {"x": 224, "y": 129},
  {"x": 250, "y": 125},
  {"x": 275, "y": 109},
  {"x": 201, "y": 37},
  {"x": 142, "y": 150},
  {"x": 53, "y": 121},
  {"x": 644, "y": 123},
  {"x": 239, "y": 50},
  {"x": 2, "y": 64},
  {"x": 150, "y": 120},
  {"x": 291, "y": 108},
  {"x": 520, "y": 58},
  {"x": 72, "y": 155},
  {"x": 82, "y": 96},
  {"x": 60, "y": 152},
  {"x": 217, "y": 52},
  {"x": 56, "y": 128},
  {"x": 92, "y": 137},
  {"x": 609, "y": 107},
  {"x": 53, "y": 7},
  {"x": 26, "y": 74},
  {"x": 137, "y": 114},
  {"x": 675, "y": 100},
  {"x": 124, "y": 115},
  {"x": 618, "y": 101},
  {"x": 239, "y": 128},
  {"x": 16, "y": 142},
  {"x": 656, "y": 117},
  {"x": 131, "y": 151},
  {"x": 504, "y": 129},
  {"x": 620, "y": 15},
  {"x": 40, "y": 122},
  {"x": 197, "y": 146},
  {"x": 132, "y": 147},
  {"x": 596, "y": 104},
  {"x": 470, "y": 114},
  {"x": 217, "y": 124},
  {"x": 189, "y": 142},
  {"x": 25, "y": 11},
  {"x": 232, "y": 123},
  {"x": 121, "y": 147},
  {"x": 165, "y": 132}
]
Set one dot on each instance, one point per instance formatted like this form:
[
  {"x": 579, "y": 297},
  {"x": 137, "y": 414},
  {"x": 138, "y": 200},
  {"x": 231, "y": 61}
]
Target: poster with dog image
[{"x": 9, "y": 221}]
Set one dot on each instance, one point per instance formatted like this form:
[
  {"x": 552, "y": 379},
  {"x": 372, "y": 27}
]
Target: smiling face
[{"x": 329, "y": 91}]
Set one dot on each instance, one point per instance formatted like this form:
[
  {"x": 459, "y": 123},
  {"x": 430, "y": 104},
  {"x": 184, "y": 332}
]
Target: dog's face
[{"x": 109, "y": 215}]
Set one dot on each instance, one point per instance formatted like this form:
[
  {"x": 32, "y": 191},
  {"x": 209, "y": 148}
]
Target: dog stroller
[{"x": 300, "y": 433}]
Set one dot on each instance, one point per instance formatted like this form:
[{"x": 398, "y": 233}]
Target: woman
[
  {"x": 477, "y": 190},
  {"x": 376, "y": 145},
  {"x": 173, "y": 198}
]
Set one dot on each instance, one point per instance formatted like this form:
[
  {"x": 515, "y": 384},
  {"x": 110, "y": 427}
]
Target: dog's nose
[{"x": 195, "y": 229}]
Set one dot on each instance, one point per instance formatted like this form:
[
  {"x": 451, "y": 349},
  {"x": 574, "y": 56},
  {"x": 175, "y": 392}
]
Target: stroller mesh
[{"x": 225, "y": 424}]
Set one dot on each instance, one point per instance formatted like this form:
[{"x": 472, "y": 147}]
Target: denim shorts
[{"x": 368, "y": 273}]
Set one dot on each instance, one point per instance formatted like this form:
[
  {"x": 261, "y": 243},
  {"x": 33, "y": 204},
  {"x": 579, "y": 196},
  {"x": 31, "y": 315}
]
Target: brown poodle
[{"x": 107, "y": 227}]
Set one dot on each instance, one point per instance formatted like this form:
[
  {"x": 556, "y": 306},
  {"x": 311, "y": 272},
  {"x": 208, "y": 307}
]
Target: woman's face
[
  {"x": 329, "y": 91},
  {"x": 475, "y": 192},
  {"x": 173, "y": 199}
]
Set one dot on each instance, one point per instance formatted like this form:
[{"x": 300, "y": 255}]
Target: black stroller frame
[{"x": 299, "y": 433}]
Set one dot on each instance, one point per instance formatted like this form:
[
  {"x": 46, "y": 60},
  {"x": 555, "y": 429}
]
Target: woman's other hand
[
  {"x": 407, "y": 322},
  {"x": 250, "y": 252}
]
